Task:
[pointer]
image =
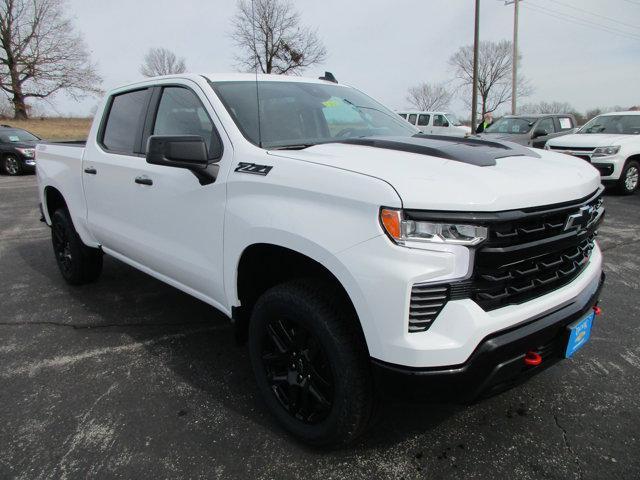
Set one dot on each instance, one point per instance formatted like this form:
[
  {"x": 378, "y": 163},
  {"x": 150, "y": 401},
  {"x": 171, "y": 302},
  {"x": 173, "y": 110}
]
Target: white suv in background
[
  {"x": 611, "y": 142},
  {"x": 436, "y": 123}
]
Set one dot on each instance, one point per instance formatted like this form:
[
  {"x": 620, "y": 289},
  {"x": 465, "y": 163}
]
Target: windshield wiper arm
[{"x": 296, "y": 146}]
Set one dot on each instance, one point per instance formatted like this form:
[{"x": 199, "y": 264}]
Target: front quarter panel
[{"x": 313, "y": 209}]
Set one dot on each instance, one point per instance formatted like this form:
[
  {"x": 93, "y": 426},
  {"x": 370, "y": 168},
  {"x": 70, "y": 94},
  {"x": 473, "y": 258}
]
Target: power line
[
  {"x": 592, "y": 23},
  {"x": 595, "y": 14},
  {"x": 580, "y": 21}
]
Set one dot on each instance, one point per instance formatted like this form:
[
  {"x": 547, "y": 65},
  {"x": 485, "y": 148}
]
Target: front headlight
[
  {"x": 605, "y": 151},
  {"x": 411, "y": 233},
  {"x": 27, "y": 152}
]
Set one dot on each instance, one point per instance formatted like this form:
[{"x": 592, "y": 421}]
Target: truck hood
[
  {"x": 429, "y": 182},
  {"x": 592, "y": 140}
]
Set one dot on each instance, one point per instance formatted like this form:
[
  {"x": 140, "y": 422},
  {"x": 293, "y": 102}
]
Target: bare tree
[
  {"x": 272, "y": 39},
  {"x": 41, "y": 54},
  {"x": 546, "y": 107},
  {"x": 429, "y": 96},
  {"x": 494, "y": 74},
  {"x": 160, "y": 61}
]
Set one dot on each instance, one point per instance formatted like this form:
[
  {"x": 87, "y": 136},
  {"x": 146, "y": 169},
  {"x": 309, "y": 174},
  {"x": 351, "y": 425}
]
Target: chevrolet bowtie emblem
[{"x": 580, "y": 220}]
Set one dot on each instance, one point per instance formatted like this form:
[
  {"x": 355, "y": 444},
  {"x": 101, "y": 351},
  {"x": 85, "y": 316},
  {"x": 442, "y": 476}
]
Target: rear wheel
[
  {"x": 310, "y": 363},
  {"x": 11, "y": 165},
  {"x": 628, "y": 182},
  {"x": 78, "y": 263}
]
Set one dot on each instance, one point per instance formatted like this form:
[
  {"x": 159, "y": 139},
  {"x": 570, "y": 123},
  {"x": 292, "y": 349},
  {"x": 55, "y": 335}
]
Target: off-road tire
[
  {"x": 319, "y": 309},
  {"x": 78, "y": 263}
]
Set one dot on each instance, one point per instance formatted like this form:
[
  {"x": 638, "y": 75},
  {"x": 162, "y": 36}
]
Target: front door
[{"x": 440, "y": 124}]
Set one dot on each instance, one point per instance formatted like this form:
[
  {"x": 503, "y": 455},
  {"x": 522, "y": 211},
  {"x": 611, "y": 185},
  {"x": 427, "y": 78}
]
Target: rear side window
[
  {"x": 181, "y": 113},
  {"x": 423, "y": 120},
  {"x": 565, "y": 123},
  {"x": 412, "y": 118},
  {"x": 124, "y": 121}
]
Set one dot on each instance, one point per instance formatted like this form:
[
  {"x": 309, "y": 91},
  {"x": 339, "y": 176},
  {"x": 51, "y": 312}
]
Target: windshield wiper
[{"x": 296, "y": 146}]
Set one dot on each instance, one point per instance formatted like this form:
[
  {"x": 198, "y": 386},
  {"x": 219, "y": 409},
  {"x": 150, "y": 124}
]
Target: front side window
[
  {"x": 299, "y": 114},
  {"x": 181, "y": 113},
  {"x": 423, "y": 120},
  {"x": 511, "y": 125},
  {"x": 438, "y": 120},
  {"x": 124, "y": 120},
  {"x": 403, "y": 115},
  {"x": 546, "y": 124},
  {"x": 616, "y": 124}
]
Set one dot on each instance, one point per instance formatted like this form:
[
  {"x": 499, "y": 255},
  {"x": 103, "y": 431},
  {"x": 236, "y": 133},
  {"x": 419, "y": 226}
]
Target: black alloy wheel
[{"x": 298, "y": 371}]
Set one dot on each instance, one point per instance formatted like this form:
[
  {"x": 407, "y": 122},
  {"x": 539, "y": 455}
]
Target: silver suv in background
[{"x": 530, "y": 130}]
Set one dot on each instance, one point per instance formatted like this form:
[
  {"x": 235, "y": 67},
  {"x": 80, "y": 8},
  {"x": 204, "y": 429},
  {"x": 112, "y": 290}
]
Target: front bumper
[
  {"x": 495, "y": 365},
  {"x": 610, "y": 167},
  {"x": 28, "y": 165}
]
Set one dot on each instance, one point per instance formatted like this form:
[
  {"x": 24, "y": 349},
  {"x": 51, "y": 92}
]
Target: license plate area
[{"x": 579, "y": 334}]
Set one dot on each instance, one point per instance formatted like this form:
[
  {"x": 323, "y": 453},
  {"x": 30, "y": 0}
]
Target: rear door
[
  {"x": 440, "y": 124},
  {"x": 107, "y": 165}
]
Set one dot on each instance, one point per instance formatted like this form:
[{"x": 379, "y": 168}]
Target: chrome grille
[{"x": 426, "y": 303}]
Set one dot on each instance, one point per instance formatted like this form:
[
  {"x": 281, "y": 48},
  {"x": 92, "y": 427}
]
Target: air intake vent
[{"x": 426, "y": 303}]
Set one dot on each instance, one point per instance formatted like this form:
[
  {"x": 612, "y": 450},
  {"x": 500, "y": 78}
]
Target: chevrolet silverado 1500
[{"x": 356, "y": 256}]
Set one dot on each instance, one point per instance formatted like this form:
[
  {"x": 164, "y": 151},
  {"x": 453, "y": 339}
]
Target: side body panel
[{"x": 60, "y": 166}]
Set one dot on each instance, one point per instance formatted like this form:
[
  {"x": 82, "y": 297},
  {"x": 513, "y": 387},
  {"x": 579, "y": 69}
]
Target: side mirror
[
  {"x": 539, "y": 133},
  {"x": 181, "y": 151}
]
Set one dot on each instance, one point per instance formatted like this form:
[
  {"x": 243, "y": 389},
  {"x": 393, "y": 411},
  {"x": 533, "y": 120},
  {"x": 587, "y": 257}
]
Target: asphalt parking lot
[{"x": 130, "y": 378}]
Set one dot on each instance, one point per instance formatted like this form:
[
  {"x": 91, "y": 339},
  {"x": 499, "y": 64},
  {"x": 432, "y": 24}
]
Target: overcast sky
[{"x": 385, "y": 46}]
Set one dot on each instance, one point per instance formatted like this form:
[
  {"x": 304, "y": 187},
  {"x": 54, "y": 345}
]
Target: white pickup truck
[
  {"x": 611, "y": 142},
  {"x": 358, "y": 257}
]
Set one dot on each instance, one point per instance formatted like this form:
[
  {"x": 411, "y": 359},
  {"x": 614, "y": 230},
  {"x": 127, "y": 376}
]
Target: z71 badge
[{"x": 253, "y": 168}]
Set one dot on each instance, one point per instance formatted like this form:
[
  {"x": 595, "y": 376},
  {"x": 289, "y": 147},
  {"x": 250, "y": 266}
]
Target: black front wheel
[
  {"x": 11, "y": 165},
  {"x": 78, "y": 263},
  {"x": 310, "y": 363}
]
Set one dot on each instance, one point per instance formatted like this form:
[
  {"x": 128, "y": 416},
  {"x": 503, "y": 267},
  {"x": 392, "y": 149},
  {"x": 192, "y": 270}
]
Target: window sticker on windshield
[
  {"x": 331, "y": 103},
  {"x": 565, "y": 123},
  {"x": 13, "y": 138}
]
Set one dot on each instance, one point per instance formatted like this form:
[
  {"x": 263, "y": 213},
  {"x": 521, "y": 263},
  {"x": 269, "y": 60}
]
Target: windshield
[
  {"x": 617, "y": 124},
  {"x": 511, "y": 125},
  {"x": 17, "y": 136},
  {"x": 453, "y": 120},
  {"x": 297, "y": 114}
]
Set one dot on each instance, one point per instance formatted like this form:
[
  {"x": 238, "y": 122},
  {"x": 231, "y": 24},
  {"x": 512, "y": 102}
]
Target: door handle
[
  {"x": 144, "y": 180},
  {"x": 90, "y": 171}
]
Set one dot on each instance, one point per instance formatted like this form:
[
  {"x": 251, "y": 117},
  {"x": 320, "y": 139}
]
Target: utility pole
[
  {"x": 514, "y": 74},
  {"x": 474, "y": 95}
]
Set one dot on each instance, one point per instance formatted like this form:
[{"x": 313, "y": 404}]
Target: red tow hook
[
  {"x": 532, "y": 358},
  {"x": 597, "y": 310}
]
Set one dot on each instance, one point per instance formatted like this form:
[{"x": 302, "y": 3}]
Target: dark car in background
[
  {"x": 17, "y": 150},
  {"x": 530, "y": 130}
]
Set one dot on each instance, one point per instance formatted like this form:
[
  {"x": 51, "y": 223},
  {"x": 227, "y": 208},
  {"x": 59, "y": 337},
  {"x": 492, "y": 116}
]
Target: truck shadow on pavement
[{"x": 194, "y": 341}]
